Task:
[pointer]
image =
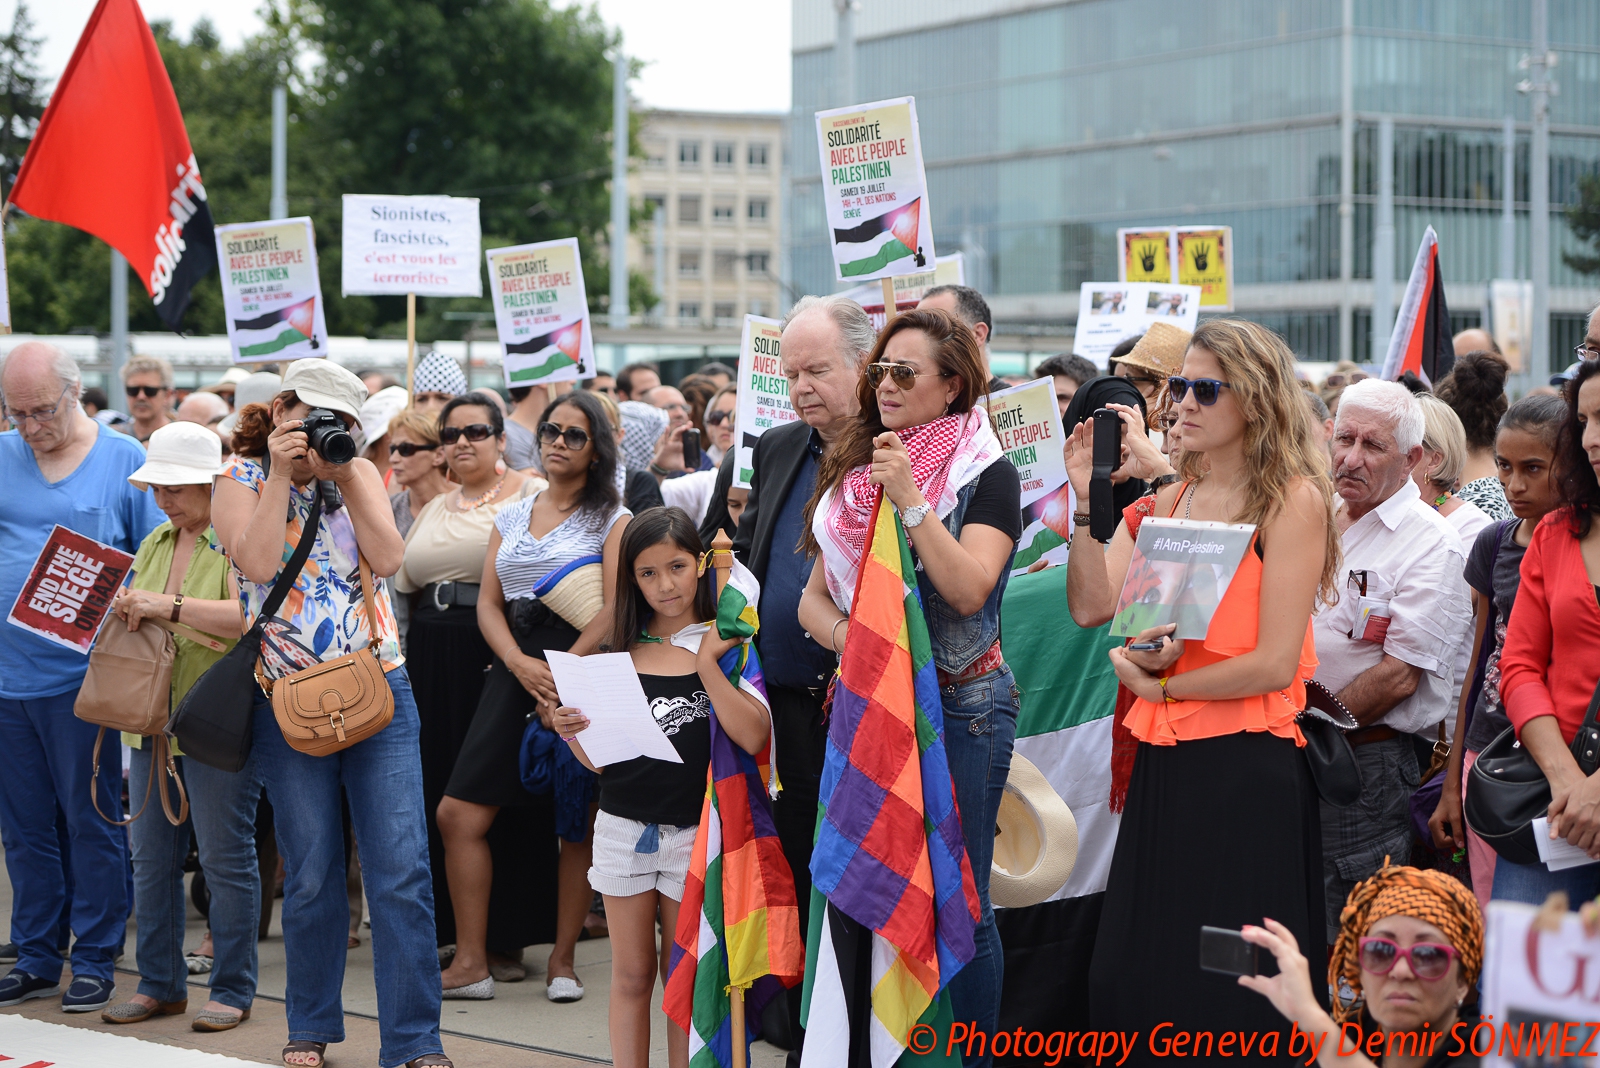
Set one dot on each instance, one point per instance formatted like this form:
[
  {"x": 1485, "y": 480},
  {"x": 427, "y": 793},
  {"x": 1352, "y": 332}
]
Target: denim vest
[{"x": 958, "y": 640}]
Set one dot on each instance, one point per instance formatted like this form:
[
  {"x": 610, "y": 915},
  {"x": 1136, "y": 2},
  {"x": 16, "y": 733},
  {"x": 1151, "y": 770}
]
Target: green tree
[
  {"x": 1584, "y": 218},
  {"x": 22, "y": 96}
]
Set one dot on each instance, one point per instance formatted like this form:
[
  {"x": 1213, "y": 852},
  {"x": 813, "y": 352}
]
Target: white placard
[
  {"x": 1544, "y": 979},
  {"x": 396, "y": 245},
  {"x": 1027, "y": 420},
  {"x": 606, "y": 688},
  {"x": 874, "y": 190},
  {"x": 541, "y": 312},
  {"x": 1108, "y": 312},
  {"x": 271, "y": 293},
  {"x": 763, "y": 393}
]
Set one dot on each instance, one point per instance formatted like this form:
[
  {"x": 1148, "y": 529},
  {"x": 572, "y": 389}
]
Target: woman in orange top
[{"x": 1221, "y": 826}]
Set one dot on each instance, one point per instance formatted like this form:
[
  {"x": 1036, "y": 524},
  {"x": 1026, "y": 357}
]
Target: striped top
[{"x": 524, "y": 560}]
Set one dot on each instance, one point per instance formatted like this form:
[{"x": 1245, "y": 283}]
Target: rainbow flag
[
  {"x": 739, "y": 922},
  {"x": 893, "y": 905}
]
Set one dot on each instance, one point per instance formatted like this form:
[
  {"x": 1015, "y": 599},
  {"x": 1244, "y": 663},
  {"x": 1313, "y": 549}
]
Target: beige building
[{"x": 712, "y": 180}]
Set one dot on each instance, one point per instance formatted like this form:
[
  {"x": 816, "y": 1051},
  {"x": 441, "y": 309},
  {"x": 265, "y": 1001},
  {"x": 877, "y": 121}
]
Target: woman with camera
[
  {"x": 548, "y": 577},
  {"x": 285, "y": 456},
  {"x": 925, "y": 439},
  {"x": 1220, "y": 799}
]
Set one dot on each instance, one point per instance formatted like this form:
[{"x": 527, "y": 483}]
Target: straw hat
[
  {"x": 180, "y": 454},
  {"x": 1036, "y": 839},
  {"x": 1159, "y": 351}
]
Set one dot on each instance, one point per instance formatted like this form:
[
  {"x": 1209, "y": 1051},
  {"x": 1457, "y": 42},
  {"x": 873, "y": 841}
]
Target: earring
[{"x": 499, "y": 467}]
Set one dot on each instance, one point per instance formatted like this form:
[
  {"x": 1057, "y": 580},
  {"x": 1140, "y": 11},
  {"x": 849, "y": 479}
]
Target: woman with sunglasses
[
  {"x": 1219, "y": 798},
  {"x": 923, "y": 437},
  {"x": 1409, "y": 950},
  {"x": 548, "y": 576},
  {"x": 417, "y": 463},
  {"x": 448, "y": 656},
  {"x": 719, "y": 419}
]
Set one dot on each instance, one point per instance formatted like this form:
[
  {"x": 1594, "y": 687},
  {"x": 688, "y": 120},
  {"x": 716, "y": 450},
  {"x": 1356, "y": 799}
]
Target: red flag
[
  {"x": 111, "y": 156},
  {"x": 1421, "y": 340}
]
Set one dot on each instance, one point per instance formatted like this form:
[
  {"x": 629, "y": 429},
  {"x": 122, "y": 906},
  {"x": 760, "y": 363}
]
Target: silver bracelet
[{"x": 834, "y": 634}]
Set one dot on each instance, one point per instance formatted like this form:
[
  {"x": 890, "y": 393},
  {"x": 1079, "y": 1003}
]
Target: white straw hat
[
  {"x": 1036, "y": 839},
  {"x": 380, "y": 409},
  {"x": 180, "y": 454}
]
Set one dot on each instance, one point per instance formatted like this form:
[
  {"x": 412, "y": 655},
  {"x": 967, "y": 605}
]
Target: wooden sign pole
[
  {"x": 411, "y": 349},
  {"x": 722, "y": 562},
  {"x": 889, "y": 309}
]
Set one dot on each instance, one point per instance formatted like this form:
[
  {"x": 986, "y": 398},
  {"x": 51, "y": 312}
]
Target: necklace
[
  {"x": 1439, "y": 500},
  {"x": 480, "y": 501},
  {"x": 646, "y": 638}
]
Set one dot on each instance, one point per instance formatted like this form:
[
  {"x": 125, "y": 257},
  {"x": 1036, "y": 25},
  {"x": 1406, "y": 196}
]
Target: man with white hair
[
  {"x": 203, "y": 407},
  {"x": 58, "y": 466},
  {"x": 1388, "y": 647}
]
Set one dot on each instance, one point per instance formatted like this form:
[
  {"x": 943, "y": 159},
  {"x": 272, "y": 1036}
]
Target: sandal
[
  {"x": 431, "y": 1060},
  {"x": 298, "y": 1045}
]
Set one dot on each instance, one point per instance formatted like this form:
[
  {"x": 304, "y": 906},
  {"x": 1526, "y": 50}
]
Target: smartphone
[
  {"x": 1147, "y": 647},
  {"x": 1108, "y": 427},
  {"x": 1226, "y": 952},
  {"x": 691, "y": 449}
]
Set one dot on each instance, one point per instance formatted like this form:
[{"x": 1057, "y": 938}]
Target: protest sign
[
  {"x": 1180, "y": 255},
  {"x": 763, "y": 393},
  {"x": 875, "y": 191},
  {"x": 1146, "y": 255},
  {"x": 1028, "y": 423},
  {"x": 396, "y": 245},
  {"x": 541, "y": 312},
  {"x": 1178, "y": 574},
  {"x": 910, "y": 288},
  {"x": 271, "y": 294},
  {"x": 1539, "y": 987},
  {"x": 69, "y": 590},
  {"x": 1111, "y": 311}
]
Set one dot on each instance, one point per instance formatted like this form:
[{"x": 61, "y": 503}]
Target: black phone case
[
  {"x": 1107, "y": 458},
  {"x": 1226, "y": 952}
]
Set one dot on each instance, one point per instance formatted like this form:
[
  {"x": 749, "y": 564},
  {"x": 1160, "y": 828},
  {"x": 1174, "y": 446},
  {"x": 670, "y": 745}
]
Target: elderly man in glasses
[
  {"x": 59, "y": 467},
  {"x": 1388, "y": 647}
]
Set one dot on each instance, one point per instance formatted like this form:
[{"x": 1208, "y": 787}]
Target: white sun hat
[
  {"x": 1035, "y": 842},
  {"x": 180, "y": 454}
]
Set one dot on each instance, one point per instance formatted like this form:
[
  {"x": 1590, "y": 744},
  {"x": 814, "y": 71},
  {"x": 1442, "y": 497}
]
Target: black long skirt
[
  {"x": 448, "y": 661},
  {"x": 1220, "y": 832}
]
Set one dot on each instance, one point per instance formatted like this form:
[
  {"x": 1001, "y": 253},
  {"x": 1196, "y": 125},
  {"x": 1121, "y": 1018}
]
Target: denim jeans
[
  {"x": 222, "y": 813},
  {"x": 980, "y": 728},
  {"x": 45, "y": 770},
  {"x": 382, "y": 777},
  {"x": 1532, "y": 883}
]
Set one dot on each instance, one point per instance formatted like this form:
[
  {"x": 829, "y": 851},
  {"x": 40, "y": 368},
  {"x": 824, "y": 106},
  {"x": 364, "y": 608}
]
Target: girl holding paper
[{"x": 649, "y": 808}]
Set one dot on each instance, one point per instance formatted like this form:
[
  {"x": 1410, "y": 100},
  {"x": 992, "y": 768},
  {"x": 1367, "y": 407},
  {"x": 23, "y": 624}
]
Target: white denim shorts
[{"x": 632, "y": 857}]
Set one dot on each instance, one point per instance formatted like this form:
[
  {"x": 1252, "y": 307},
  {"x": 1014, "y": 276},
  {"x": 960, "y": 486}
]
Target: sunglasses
[
  {"x": 144, "y": 391},
  {"x": 717, "y": 418},
  {"x": 574, "y": 437},
  {"x": 409, "y": 449},
  {"x": 904, "y": 375},
  {"x": 476, "y": 432},
  {"x": 1206, "y": 390},
  {"x": 1428, "y": 960}
]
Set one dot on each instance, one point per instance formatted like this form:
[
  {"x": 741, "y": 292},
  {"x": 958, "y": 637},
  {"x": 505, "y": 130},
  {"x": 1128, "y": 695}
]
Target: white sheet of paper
[
  {"x": 606, "y": 688},
  {"x": 1558, "y": 853}
]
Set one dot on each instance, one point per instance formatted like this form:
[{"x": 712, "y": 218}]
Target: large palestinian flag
[
  {"x": 1421, "y": 340},
  {"x": 277, "y": 330},
  {"x": 562, "y": 347},
  {"x": 876, "y": 243}
]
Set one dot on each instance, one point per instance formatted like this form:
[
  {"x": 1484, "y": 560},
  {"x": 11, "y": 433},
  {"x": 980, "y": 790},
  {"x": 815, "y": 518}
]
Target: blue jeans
[
  {"x": 980, "y": 728},
  {"x": 45, "y": 762},
  {"x": 222, "y": 812},
  {"x": 382, "y": 777},
  {"x": 1532, "y": 883}
]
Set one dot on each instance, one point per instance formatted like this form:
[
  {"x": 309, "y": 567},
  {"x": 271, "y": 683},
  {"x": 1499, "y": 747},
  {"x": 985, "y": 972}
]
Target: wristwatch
[
  {"x": 1163, "y": 480},
  {"x": 177, "y": 606},
  {"x": 913, "y": 516}
]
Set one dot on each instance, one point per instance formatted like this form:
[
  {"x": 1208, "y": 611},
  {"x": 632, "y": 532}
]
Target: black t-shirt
[
  {"x": 641, "y": 491},
  {"x": 997, "y": 502},
  {"x": 1496, "y": 576},
  {"x": 659, "y": 791}
]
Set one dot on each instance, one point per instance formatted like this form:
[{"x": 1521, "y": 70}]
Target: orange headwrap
[{"x": 1431, "y": 896}]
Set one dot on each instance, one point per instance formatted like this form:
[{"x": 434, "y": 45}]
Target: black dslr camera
[{"x": 326, "y": 434}]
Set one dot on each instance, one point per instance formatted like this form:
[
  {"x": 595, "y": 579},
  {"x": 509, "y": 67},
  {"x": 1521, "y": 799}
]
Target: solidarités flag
[
  {"x": 111, "y": 156},
  {"x": 1421, "y": 340}
]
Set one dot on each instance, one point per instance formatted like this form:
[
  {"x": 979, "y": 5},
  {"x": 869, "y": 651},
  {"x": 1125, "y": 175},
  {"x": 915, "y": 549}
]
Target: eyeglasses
[
  {"x": 717, "y": 417},
  {"x": 476, "y": 432},
  {"x": 1206, "y": 390},
  {"x": 409, "y": 449},
  {"x": 904, "y": 375},
  {"x": 575, "y": 437},
  {"x": 1585, "y": 352},
  {"x": 144, "y": 391},
  {"x": 1428, "y": 960},
  {"x": 42, "y": 416},
  {"x": 1166, "y": 421}
]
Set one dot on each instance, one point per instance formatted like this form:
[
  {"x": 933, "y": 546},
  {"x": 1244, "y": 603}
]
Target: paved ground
[{"x": 520, "y": 1026}]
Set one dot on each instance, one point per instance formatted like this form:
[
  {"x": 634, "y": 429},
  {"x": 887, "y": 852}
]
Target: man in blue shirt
[
  {"x": 825, "y": 342},
  {"x": 58, "y": 466}
]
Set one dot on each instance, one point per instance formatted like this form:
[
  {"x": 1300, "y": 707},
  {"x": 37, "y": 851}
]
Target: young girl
[
  {"x": 1524, "y": 455},
  {"x": 649, "y": 808}
]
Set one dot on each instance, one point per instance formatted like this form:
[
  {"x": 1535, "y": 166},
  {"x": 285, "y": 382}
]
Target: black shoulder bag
[
  {"x": 213, "y": 721},
  {"x": 1333, "y": 763},
  {"x": 1507, "y": 791}
]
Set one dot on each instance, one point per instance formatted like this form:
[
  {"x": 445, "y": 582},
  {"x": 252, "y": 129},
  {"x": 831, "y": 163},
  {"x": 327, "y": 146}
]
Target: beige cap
[
  {"x": 1160, "y": 351},
  {"x": 322, "y": 383},
  {"x": 180, "y": 454}
]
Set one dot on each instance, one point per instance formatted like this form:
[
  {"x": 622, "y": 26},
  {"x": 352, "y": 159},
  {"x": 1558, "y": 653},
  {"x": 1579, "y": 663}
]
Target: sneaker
[
  {"x": 86, "y": 994},
  {"x": 8, "y": 953},
  {"x": 19, "y": 986}
]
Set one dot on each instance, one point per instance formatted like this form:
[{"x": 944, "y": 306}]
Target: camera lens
[{"x": 326, "y": 434}]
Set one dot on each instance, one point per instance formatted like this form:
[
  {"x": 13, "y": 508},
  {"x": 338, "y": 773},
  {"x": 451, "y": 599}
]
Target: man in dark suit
[{"x": 825, "y": 343}]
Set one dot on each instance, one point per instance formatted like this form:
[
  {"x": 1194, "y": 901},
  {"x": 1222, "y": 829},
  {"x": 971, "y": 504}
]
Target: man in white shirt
[{"x": 1388, "y": 647}]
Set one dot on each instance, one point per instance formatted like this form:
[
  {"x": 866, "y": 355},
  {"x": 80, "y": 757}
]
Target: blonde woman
[{"x": 1444, "y": 457}]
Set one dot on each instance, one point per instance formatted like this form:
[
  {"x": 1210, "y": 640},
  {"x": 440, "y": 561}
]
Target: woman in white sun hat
[{"x": 181, "y": 575}]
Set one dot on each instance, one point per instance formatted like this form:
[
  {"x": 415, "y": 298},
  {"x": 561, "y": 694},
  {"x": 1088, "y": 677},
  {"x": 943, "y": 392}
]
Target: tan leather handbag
[{"x": 333, "y": 706}]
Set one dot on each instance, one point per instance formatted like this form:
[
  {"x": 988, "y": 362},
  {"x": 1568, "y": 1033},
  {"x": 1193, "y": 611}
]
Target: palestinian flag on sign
[
  {"x": 879, "y": 242},
  {"x": 277, "y": 329},
  {"x": 562, "y": 347},
  {"x": 1421, "y": 340}
]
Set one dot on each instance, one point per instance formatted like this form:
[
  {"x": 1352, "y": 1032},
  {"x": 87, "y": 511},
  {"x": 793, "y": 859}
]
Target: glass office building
[{"x": 1046, "y": 127}]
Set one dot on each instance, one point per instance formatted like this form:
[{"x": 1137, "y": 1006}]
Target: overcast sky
[{"x": 694, "y": 49}]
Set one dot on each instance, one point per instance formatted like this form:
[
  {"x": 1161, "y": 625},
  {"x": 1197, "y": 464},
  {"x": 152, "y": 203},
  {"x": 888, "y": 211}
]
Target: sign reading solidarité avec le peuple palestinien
[
  {"x": 874, "y": 189},
  {"x": 541, "y": 312}
]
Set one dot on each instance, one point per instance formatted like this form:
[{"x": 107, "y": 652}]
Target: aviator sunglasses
[
  {"x": 574, "y": 437},
  {"x": 476, "y": 432},
  {"x": 1206, "y": 390},
  {"x": 1428, "y": 960},
  {"x": 904, "y": 375}
]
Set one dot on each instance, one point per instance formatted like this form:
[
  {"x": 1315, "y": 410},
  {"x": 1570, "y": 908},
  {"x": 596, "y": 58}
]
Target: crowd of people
[{"x": 1413, "y": 546}]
